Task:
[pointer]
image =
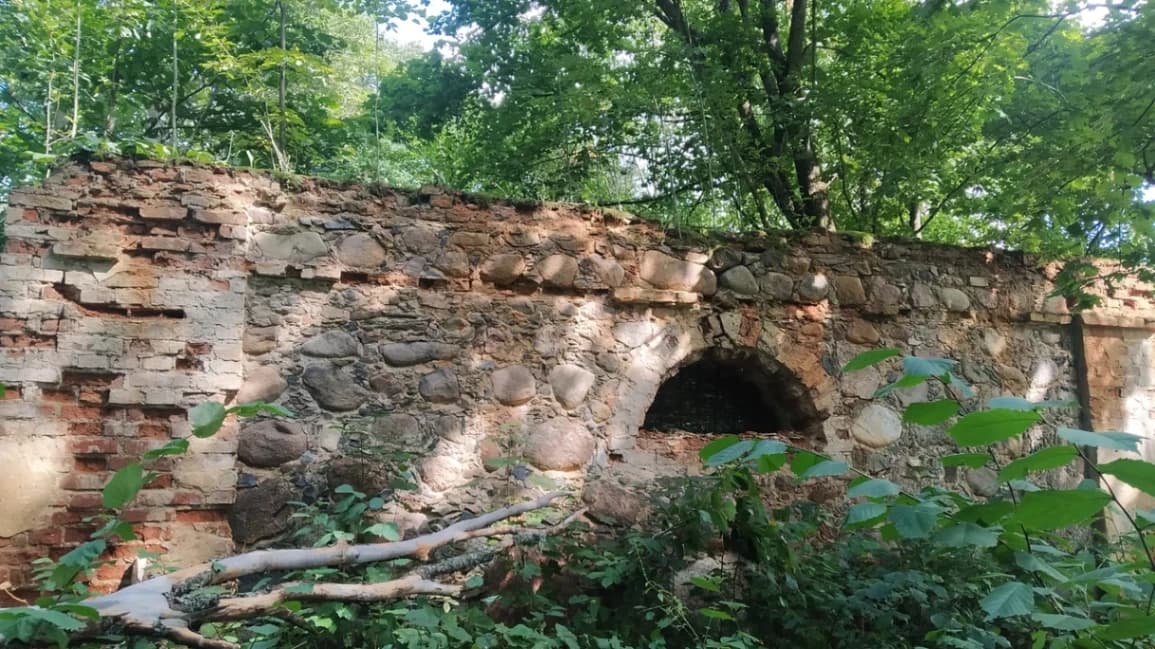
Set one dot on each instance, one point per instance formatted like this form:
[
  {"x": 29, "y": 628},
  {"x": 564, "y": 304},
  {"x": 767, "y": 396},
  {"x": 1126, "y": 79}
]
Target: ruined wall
[{"x": 458, "y": 331}]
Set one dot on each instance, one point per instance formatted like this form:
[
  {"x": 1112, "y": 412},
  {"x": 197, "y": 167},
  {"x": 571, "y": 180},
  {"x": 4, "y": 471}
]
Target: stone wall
[{"x": 456, "y": 331}]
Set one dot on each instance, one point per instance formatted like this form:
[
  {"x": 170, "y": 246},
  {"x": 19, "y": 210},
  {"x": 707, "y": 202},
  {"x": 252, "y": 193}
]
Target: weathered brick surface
[{"x": 131, "y": 292}]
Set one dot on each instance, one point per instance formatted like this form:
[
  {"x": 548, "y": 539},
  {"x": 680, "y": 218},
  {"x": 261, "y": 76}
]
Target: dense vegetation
[
  {"x": 1027, "y": 123},
  {"x": 715, "y": 566}
]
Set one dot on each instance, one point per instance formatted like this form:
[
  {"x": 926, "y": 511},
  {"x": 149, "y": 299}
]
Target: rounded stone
[
  {"x": 877, "y": 426},
  {"x": 369, "y": 476},
  {"x": 503, "y": 270},
  {"x": 269, "y": 443},
  {"x": 400, "y": 431},
  {"x": 663, "y": 271},
  {"x": 813, "y": 288},
  {"x": 450, "y": 427},
  {"x": 360, "y": 250},
  {"x": 558, "y": 271},
  {"x": 849, "y": 290},
  {"x": 442, "y": 472},
  {"x": 778, "y": 286},
  {"x": 263, "y": 383},
  {"x": 983, "y": 481},
  {"x": 415, "y": 353},
  {"x": 334, "y": 343},
  {"x": 570, "y": 384},
  {"x": 954, "y": 299},
  {"x": 861, "y": 332},
  {"x": 439, "y": 386},
  {"x": 559, "y": 444},
  {"x": 740, "y": 280},
  {"x": 333, "y": 388},
  {"x": 514, "y": 385},
  {"x": 262, "y": 512}
]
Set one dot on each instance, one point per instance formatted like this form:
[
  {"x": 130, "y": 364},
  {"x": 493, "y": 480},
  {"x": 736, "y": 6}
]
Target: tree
[{"x": 918, "y": 119}]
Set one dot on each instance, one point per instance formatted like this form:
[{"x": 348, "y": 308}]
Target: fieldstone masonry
[{"x": 460, "y": 332}]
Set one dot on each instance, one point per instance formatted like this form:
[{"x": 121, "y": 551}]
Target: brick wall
[{"x": 458, "y": 329}]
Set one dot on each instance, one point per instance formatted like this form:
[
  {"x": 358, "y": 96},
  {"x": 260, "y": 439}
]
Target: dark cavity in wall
[{"x": 732, "y": 391}]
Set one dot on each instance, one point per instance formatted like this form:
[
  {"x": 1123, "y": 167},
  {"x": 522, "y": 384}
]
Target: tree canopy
[{"x": 1022, "y": 123}]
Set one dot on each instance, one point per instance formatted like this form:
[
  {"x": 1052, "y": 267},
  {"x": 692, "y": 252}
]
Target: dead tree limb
[{"x": 167, "y": 607}]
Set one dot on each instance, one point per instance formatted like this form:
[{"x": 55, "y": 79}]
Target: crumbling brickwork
[{"x": 459, "y": 330}]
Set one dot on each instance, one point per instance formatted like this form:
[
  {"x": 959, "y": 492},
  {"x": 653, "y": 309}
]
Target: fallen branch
[{"x": 171, "y": 606}]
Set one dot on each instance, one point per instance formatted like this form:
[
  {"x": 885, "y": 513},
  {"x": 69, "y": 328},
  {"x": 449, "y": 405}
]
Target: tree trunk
[
  {"x": 76, "y": 76},
  {"x": 281, "y": 89},
  {"x": 175, "y": 75}
]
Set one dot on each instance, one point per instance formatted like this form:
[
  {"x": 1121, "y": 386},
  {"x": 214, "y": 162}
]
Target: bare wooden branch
[{"x": 160, "y": 607}]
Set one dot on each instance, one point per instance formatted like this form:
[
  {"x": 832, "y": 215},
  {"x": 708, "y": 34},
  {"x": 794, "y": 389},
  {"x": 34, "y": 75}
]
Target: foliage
[
  {"x": 1022, "y": 123},
  {"x": 58, "y": 612}
]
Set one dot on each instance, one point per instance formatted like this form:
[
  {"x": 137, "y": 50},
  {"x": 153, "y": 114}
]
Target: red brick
[
  {"x": 89, "y": 464},
  {"x": 58, "y": 396},
  {"x": 80, "y": 413},
  {"x": 48, "y": 536},
  {"x": 85, "y": 428},
  {"x": 93, "y": 446},
  {"x": 200, "y": 516},
  {"x": 73, "y": 535},
  {"x": 11, "y": 326},
  {"x": 187, "y": 498},
  {"x": 163, "y": 481},
  {"x": 85, "y": 500},
  {"x": 65, "y": 518}
]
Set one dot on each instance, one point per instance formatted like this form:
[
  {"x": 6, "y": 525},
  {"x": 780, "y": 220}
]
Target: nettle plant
[
  {"x": 58, "y": 612},
  {"x": 1053, "y": 581}
]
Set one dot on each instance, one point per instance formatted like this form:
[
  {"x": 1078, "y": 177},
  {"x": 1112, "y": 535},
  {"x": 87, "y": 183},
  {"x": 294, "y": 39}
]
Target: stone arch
[
  {"x": 732, "y": 390},
  {"x": 680, "y": 345}
]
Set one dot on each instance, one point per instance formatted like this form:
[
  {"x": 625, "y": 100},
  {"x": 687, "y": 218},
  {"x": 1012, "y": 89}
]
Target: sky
[{"x": 415, "y": 31}]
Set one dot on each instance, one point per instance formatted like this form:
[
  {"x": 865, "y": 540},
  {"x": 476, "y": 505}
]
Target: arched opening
[{"x": 732, "y": 391}]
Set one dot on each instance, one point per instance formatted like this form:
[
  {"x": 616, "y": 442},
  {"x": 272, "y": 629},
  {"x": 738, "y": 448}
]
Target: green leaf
[
  {"x": 803, "y": 461},
  {"x": 904, "y": 382},
  {"x": 1137, "y": 473},
  {"x": 990, "y": 426},
  {"x": 969, "y": 460},
  {"x": 78, "y": 610},
  {"x": 987, "y": 513},
  {"x": 1135, "y": 627},
  {"x": 1116, "y": 441},
  {"x": 713, "y": 448},
  {"x": 1043, "y": 460},
  {"x": 868, "y": 358},
  {"x": 730, "y": 453},
  {"x": 345, "y": 489},
  {"x": 303, "y": 587},
  {"x": 257, "y": 407},
  {"x": 1011, "y": 599},
  {"x": 1056, "y": 509},
  {"x": 123, "y": 486},
  {"x": 172, "y": 447},
  {"x": 475, "y": 581},
  {"x": 1062, "y": 622},
  {"x": 705, "y": 583},
  {"x": 931, "y": 412},
  {"x": 914, "y": 521},
  {"x": 865, "y": 513},
  {"x": 874, "y": 488},
  {"x": 715, "y": 614},
  {"x": 968, "y": 534},
  {"x": 926, "y": 366},
  {"x": 387, "y": 531},
  {"x": 206, "y": 419},
  {"x": 1019, "y": 403},
  {"x": 824, "y": 469},
  {"x": 766, "y": 447}
]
